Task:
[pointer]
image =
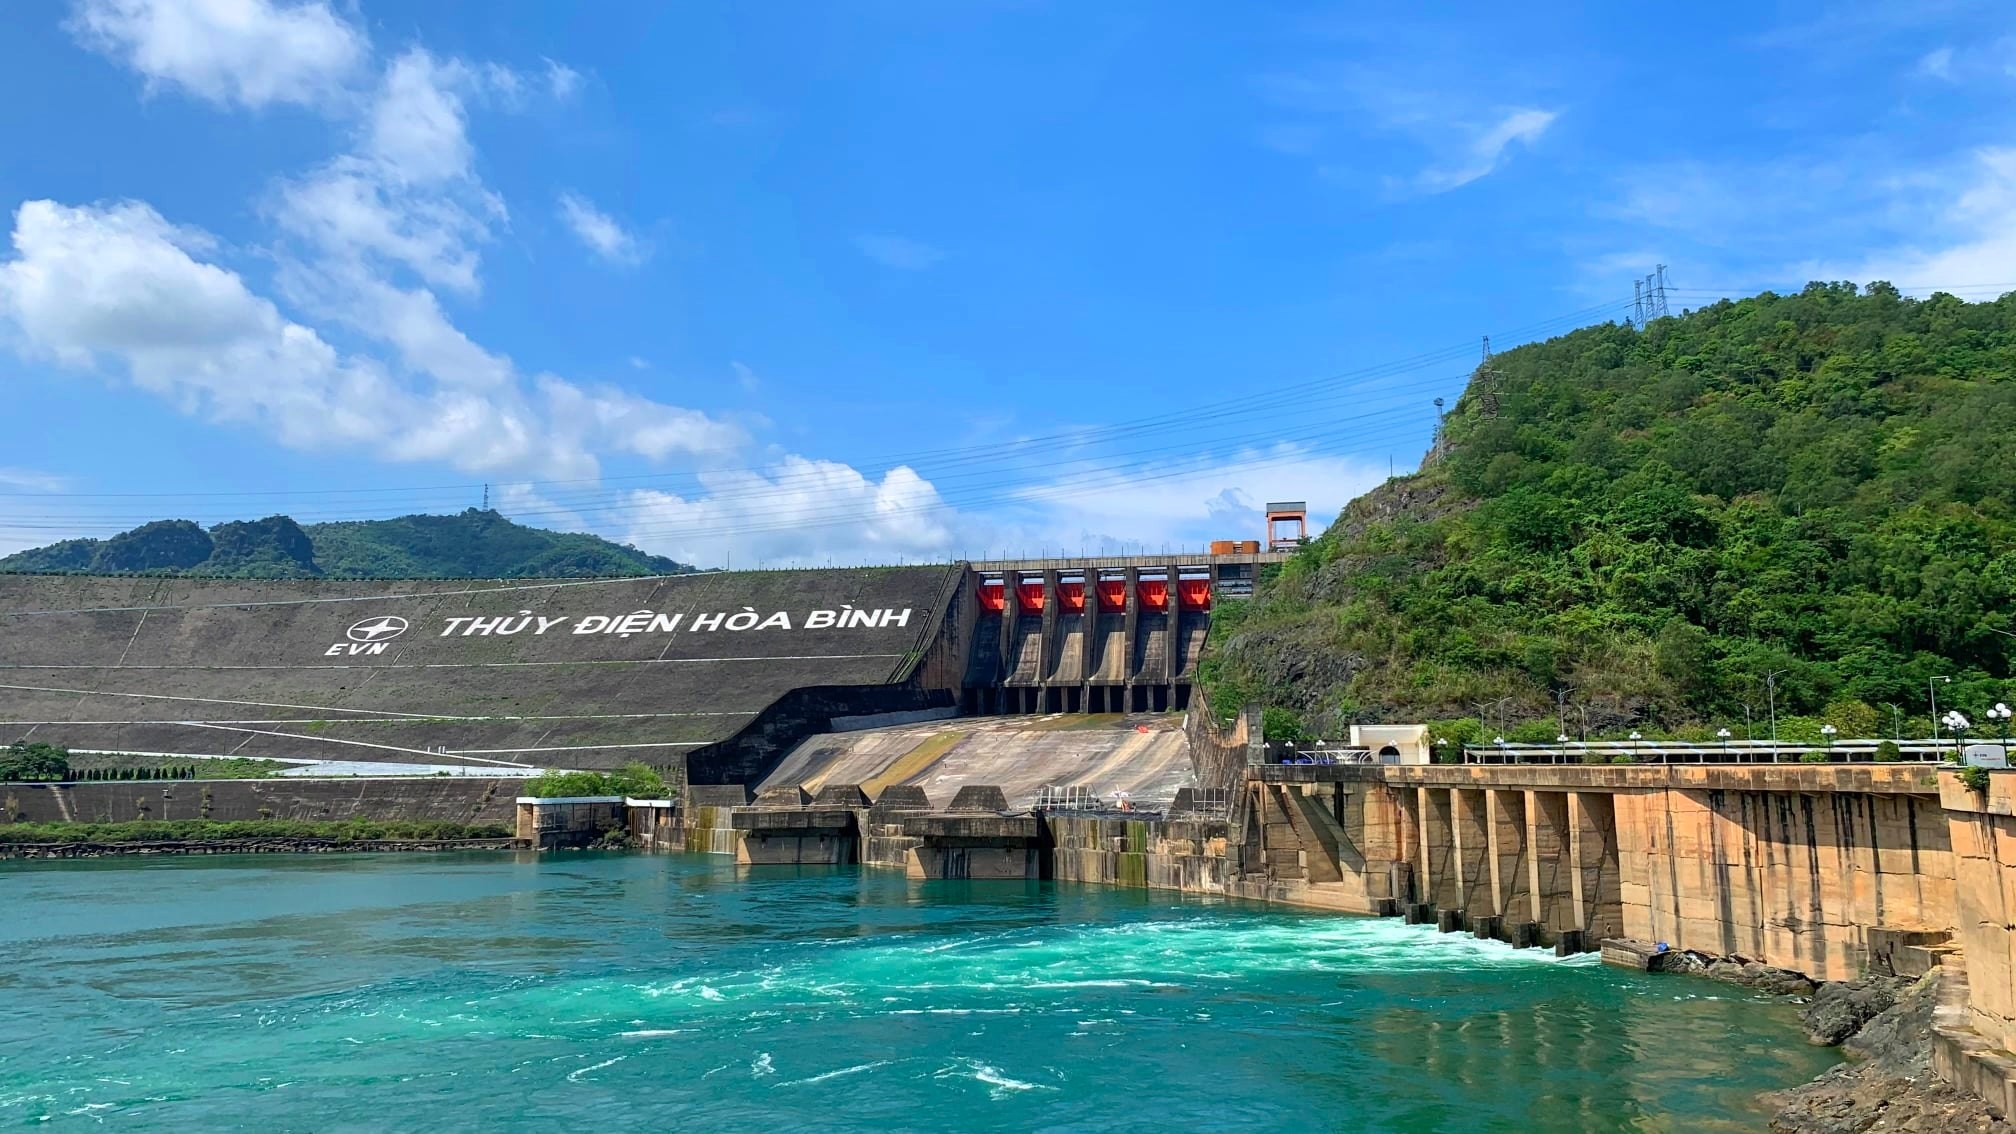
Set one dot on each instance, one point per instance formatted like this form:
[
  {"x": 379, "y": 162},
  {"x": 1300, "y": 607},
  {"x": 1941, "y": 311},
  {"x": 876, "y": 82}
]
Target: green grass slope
[{"x": 1817, "y": 486}]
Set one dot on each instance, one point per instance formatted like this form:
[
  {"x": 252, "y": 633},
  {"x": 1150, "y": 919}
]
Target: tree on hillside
[
  {"x": 23, "y": 761},
  {"x": 1802, "y": 502}
]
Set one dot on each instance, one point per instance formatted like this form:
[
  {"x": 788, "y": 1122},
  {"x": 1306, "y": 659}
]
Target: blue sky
[{"x": 871, "y": 282}]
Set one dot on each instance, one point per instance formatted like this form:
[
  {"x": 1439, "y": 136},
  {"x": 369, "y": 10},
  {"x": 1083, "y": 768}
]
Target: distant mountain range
[{"x": 476, "y": 544}]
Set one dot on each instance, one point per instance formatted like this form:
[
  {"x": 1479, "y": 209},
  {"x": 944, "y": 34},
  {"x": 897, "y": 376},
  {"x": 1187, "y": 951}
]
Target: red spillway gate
[
  {"x": 1071, "y": 598},
  {"x": 993, "y": 596},
  {"x": 1030, "y": 596},
  {"x": 1194, "y": 594},
  {"x": 1112, "y": 595},
  {"x": 1154, "y": 594}
]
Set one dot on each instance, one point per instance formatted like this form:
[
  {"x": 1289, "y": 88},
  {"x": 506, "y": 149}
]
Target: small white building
[{"x": 1394, "y": 744}]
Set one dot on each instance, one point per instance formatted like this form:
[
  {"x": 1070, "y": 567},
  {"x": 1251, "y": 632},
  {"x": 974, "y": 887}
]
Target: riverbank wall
[
  {"x": 250, "y": 846},
  {"x": 450, "y": 798}
]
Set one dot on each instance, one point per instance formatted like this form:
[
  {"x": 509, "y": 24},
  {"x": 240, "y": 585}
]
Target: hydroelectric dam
[
  {"x": 713, "y": 678},
  {"x": 1007, "y": 720}
]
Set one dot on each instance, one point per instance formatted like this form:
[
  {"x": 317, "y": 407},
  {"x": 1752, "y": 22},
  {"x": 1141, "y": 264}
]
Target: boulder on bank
[
  {"x": 1840, "y": 1009},
  {"x": 1890, "y": 1087},
  {"x": 1762, "y": 977}
]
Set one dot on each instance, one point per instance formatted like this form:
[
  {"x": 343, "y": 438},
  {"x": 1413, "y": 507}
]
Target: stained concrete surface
[{"x": 1145, "y": 755}]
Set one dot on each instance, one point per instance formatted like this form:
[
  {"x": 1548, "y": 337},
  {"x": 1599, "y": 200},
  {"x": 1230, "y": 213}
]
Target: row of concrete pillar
[
  {"x": 1062, "y": 664},
  {"x": 1525, "y": 866}
]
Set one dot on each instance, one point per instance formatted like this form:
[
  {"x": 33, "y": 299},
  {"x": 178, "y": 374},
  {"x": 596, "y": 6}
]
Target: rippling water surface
[{"x": 607, "y": 993}]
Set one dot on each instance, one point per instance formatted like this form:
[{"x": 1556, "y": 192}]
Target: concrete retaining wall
[
  {"x": 1160, "y": 855},
  {"x": 1794, "y": 879},
  {"x": 455, "y": 799}
]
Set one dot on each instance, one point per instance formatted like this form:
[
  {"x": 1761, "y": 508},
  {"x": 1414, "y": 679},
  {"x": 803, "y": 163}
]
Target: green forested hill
[
  {"x": 473, "y": 544},
  {"x": 1816, "y": 485}
]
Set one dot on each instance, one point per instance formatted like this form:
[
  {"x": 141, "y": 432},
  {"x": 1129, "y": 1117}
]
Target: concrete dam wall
[{"x": 713, "y": 675}]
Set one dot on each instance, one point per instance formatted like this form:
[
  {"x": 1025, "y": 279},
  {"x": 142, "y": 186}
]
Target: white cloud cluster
[
  {"x": 367, "y": 239},
  {"x": 801, "y": 511},
  {"x": 93, "y": 284},
  {"x": 1186, "y": 504},
  {"x": 372, "y": 239},
  {"x": 1970, "y": 238},
  {"x": 382, "y": 237},
  {"x": 599, "y": 231},
  {"x": 249, "y": 52}
]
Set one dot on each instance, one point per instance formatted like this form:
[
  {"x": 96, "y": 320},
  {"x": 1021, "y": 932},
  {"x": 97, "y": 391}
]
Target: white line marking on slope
[{"x": 358, "y": 744}]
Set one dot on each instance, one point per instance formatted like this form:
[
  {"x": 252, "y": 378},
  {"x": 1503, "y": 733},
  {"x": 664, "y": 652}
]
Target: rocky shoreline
[
  {"x": 1885, "y": 1026},
  {"x": 247, "y": 846}
]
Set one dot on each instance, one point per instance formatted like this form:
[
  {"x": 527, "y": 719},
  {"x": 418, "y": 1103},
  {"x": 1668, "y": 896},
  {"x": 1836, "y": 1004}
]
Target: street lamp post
[
  {"x": 1827, "y": 732},
  {"x": 2000, "y": 715},
  {"x": 1441, "y": 748},
  {"x": 1562, "y": 742},
  {"x": 1503, "y": 756},
  {"x": 1771, "y": 692},
  {"x": 1635, "y": 738},
  {"x": 1723, "y": 735},
  {"x": 1932, "y": 691},
  {"x": 1958, "y": 723}
]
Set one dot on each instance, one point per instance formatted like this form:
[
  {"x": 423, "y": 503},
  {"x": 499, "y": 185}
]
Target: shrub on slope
[{"x": 1817, "y": 486}]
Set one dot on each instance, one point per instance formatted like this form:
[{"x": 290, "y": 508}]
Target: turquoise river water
[{"x": 628, "y": 992}]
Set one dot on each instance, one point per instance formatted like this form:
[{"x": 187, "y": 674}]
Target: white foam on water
[
  {"x": 956, "y": 1012},
  {"x": 762, "y": 1066},
  {"x": 844, "y": 1071},
  {"x": 575, "y": 1076},
  {"x": 649, "y": 1033},
  {"x": 1000, "y": 1084}
]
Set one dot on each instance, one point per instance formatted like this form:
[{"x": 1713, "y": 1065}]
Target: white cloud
[
  {"x": 354, "y": 210},
  {"x": 408, "y": 195},
  {"x": 1465, "y": 139},
  {"x": 1937, "y": 64},
  {"x": 599, "y": 231},
  {"x": 898, "y": 252},
  {"x": 1972, "y": 236},
  {"x": 250, "y": 52},
  {"x": 745, "y": 377},
  {"x": 1186, "y": 504},
  {"x": 1487, "y": 150},
  {"x": 417, "y": 130},
  {"x": 802, "y": 511},
  {"x": 30, "y": 480},
  {"x": 562, "y": 81},
  {"x": 89, "y": 286},
  {"x": 370, "y": 241}
]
